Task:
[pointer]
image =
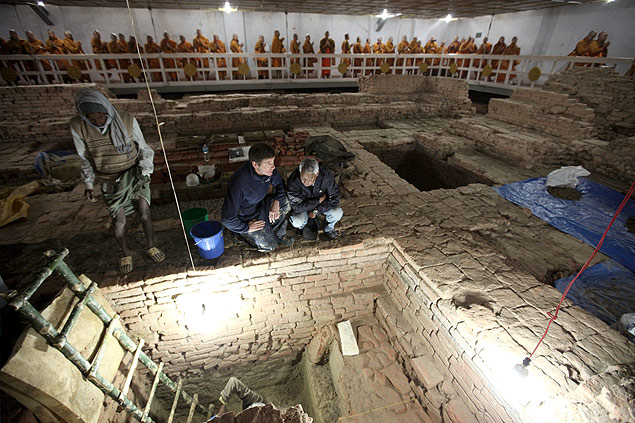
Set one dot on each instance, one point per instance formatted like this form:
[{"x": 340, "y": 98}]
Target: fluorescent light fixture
[
  {"x": 40, "y": 3},
  {"x": 227, "y": 8},
  {"x": 448, "y": 18},
  {"x": 386, "y": 15}
]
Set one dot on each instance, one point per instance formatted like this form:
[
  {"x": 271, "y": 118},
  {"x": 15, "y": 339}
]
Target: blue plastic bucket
[{"x": 208, "y": 237}]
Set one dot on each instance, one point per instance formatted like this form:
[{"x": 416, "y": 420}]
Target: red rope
[{"x": 597, "y": 248}]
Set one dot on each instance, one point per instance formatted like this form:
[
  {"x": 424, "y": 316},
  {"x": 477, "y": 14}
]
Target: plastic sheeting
[
  {"x": 585, "y": 219},
  {"x": 606, "y": 290}
]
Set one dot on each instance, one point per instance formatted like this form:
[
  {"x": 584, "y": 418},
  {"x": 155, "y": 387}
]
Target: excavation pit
[{"x": 420, "y": 169}]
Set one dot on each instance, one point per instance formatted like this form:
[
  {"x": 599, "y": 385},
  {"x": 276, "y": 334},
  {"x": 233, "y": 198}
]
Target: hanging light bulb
[
  {"x": 448, "y": 18},
  {"x": 227, "y": 8}
]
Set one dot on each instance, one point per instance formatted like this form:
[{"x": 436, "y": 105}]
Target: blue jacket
[
  {"x": 305, "y": 199},
  {"x": 245, "y": 195}
]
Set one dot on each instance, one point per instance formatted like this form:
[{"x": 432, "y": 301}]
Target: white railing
[{"x": 123, "y": 70}]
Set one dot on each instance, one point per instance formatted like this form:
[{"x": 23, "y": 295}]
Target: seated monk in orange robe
[
  {"x": 236, "y": 47},
  {"x": 378, "y": 48},
  {"x": 357, "y": 63},
  {"x": 511, "y": 50},
  {"x": 201, "y": 45},
  {"x": 56, "y": 46},
  {"x": 369, "y": 62},
  {"x": 327, "y": 46},
  {"x": 168, "y": 45},
  {"x": 402, "y": 48},
  {"x": 219, "y": 47},
  {"x": 186, "y": 47},
  {"x": 390, "y": 49},
  {"x": 498, "y": 49},
  {"x": 124, "y": 48},
  {"x": 75, "y": 47},
  {"x": 261, "y": 62},
  {"x": 307, "y": 48},
  {"x": 599, "y": 47},
  {"x": 99, "y": 47},
  {"x": 294, "y": 48},
  {"x": 277, "y": 47},
  {"x": 151, "y": 47},
  {"x": 346, "y": 49}
]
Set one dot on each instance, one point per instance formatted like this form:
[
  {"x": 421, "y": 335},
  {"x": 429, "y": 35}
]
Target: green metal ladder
[{"x": 58, "y": 339}]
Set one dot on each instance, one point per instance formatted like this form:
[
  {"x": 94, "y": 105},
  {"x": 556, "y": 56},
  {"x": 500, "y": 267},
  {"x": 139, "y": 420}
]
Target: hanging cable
[
  {"x": 554, "y": 316},
  {"x": 156, "y": 119}
]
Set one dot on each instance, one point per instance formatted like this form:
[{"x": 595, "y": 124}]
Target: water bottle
[{"x": 205, "y": 153}]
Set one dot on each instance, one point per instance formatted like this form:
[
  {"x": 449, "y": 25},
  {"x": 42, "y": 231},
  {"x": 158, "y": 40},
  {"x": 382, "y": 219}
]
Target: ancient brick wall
[
  {"x": 610, "y": 94},
  {"x": 270, "y": 311},
  {"x": 547, "y": 112}
]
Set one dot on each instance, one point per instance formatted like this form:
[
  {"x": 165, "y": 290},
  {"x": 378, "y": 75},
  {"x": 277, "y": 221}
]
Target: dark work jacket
[
  {"x": 245, "y": 195},
  {"x": 305, "y": 199}
]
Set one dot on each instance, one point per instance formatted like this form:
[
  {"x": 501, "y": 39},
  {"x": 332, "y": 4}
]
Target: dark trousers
[
  {"x": 246, "y": 395},
  {"x": 267, "y": 238}
]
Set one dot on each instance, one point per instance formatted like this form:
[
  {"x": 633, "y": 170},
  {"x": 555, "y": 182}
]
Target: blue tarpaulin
[
  {"x": 606, "y": 290},
  {"x": 586, "y": 219}
]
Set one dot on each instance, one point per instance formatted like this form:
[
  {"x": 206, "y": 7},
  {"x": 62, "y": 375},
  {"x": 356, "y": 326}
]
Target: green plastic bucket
[{"x": 193, "y": 216}]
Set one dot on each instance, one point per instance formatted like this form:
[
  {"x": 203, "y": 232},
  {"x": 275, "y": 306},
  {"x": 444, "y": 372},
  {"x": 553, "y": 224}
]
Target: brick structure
[
  {"x": 608, "y": 93},
  {"x": 458, "y": 278}
]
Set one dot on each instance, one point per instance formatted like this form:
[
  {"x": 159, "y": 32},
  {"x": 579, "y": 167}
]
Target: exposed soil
[
  {"x": 564, "y": 193},
  {"x": 630, "y": 225}
]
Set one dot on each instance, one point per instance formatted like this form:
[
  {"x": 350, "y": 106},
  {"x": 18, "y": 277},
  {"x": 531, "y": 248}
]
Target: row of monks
[{"x": 201, "y": 44}]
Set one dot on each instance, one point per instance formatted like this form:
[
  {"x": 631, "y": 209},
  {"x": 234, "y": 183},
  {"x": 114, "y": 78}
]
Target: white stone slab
[{"x": 347, "y": 338}]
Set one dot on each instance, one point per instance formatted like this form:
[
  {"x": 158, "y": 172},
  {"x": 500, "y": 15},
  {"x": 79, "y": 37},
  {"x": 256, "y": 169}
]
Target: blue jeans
[
  {"x": 266, "y": 239},
  {"x": 299, "y": 220}
]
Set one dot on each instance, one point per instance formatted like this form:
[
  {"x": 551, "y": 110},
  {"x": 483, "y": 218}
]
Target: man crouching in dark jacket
[
  {"x": 312, "y": 190},
  {"x": 250, "y": 210}
]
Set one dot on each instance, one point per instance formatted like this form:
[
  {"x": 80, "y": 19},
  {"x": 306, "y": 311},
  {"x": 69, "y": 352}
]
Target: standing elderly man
[
  {"x": 111, "y": 147},
  {"x": 312, "y": 190},
  {"x": 256, "y": 205}
]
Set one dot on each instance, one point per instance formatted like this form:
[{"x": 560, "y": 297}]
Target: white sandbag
[{"x": 566, "y": 176}]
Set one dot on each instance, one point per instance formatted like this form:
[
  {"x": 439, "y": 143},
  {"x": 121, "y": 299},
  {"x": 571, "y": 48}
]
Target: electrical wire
[
  {"x": 156, "y": 119},
  {"x": 554, "y": 316}
]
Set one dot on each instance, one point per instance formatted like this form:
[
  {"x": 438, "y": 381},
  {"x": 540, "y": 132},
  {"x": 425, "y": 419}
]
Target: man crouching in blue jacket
[
  {"x": 312, "y": 190},
  {"x": 260, "y": 217}
]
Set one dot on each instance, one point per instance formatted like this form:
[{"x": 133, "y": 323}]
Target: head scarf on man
[{"x": 88, "y": 101}]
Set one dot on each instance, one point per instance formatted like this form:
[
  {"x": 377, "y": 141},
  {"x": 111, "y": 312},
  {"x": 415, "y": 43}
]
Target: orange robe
[
  {"x": 357, "y": 63},
  {"x": 327, "y": 46},
  {"x": 307, "y": 48},
  {"x": 379, "y": 48},
  {"x": 222, "y": 62},
  {"x": 499, "y": 49},
  {"x": 596, "y": 49},
  {"x": 485, "y": 48},
  {"x": 390, "y": 49},
  {"x": 466, "y": 48},
  {"x": 56, "y": 46},
  {"x": 234, "y": 46},
  {"x": 402, "y": 48},
  {"x": 276, "y": 47},
  {"x": 294, "y": 47},
  {"x": 261, "y": 62},
  {"x": 113, "y": 48},
  {"x": 36, "y": 46},
  {"x": 186, "y": 47},
  {"x": 453, "y": 47},
  {"x": 75, "y": 47},
  {"x": 369, "y": 62},
  {"x": 154, "y": 48},
  {"x": 122, "y": 46},
  {"x": 346, "y": 49},
  {"x": 511, "y": 50},
  {"x": 99, "y": 47},
  {"x": 169, "y": 46},
  {"x": 201, "y": 45}
]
